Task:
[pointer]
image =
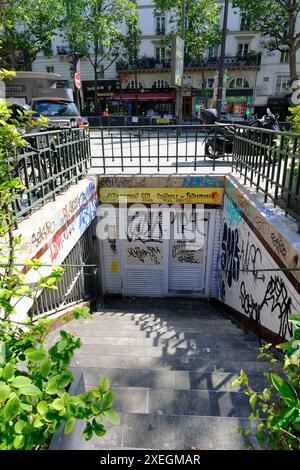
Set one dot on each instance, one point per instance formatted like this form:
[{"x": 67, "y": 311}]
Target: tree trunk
[
  {"x": 293, "y": 64},
  {"x": 96, "y": 98}
]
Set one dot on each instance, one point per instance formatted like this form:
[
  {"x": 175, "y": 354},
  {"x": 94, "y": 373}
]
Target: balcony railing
[
  {"x": 144, "y": 63},
  {"x": 64, "y": 50},
  {"x": 50, "y": 163},
  {"x": 266, "y": 160},
  {"x": 251, "y": 60}
]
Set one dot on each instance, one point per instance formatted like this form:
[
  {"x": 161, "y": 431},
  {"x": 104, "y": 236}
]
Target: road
[{"x": 147, "y": 152}]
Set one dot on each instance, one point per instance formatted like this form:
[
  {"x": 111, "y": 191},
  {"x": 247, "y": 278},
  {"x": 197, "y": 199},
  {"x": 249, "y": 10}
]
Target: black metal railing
[
  {"x": 48, "y": 165},
  {"x": 79, "y": 281},
  {"x": 64, "y": 50},
  {"x": 138, "y": 149},
  {"x": 249, "y": 60},
  {"x": 270, "y": 161}
]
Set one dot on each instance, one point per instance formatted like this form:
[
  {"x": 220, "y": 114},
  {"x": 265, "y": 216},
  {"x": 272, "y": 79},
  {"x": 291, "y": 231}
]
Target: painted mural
[{"x": 267, "y": 297}]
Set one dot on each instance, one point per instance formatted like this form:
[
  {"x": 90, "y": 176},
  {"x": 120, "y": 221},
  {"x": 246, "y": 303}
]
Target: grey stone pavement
[
  {"x": 171, "y": 363},
  {"x": 155, "y": 154}
]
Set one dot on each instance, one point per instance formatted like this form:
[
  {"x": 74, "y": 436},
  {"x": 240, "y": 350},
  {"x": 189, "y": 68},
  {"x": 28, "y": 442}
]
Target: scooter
[{"x": 220, "y": 140}]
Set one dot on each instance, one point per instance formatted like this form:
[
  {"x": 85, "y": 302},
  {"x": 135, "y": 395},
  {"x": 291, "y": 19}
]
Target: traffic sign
[{"x": 77, "y": 80}]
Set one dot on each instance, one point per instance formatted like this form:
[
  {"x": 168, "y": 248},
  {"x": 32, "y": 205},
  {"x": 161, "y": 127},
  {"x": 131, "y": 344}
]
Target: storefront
[
  {"x": 147, "y": 103},
  {"x": 238, "y": 103},
  {"x": 105, "y": 91}
]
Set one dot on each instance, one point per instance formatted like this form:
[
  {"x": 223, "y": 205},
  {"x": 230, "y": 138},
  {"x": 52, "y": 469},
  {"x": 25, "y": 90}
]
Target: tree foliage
[
  {"x": 277, "y": 22},
  {"x": 27, "y": 29},
  {"x": 202, "y": 30}
]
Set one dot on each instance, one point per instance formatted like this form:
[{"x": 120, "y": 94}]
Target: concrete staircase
[{"x": 171, "y": 364}]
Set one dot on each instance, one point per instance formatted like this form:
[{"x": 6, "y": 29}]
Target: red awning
[{"x": 165, "y": 96}]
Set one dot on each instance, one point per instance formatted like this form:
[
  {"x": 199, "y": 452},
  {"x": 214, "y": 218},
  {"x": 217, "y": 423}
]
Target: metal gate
[{"x": 145, "y": 263}]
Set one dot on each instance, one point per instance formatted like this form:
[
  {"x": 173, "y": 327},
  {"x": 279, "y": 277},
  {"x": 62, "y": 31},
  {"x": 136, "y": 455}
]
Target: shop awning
[{"x": 165, "y": 96}]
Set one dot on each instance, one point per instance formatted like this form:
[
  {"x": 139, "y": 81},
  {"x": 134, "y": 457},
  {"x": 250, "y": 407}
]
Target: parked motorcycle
[{"x": 220, "y": 140}]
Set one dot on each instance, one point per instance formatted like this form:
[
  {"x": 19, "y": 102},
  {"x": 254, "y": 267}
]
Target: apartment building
[{"x": 254, "y": 78}]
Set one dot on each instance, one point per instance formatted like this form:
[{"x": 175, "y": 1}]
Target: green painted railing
[
  {"x": 270, "y": 162},
  {"x": 48, "y": 165}
]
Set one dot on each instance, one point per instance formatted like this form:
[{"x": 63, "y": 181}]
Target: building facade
[{"x": 254, "y": 78}]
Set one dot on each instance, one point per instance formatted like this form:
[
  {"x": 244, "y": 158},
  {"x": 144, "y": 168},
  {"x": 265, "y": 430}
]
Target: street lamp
[{"x": 222, "y": 60}]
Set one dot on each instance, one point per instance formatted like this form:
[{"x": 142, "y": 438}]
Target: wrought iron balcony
[
  {"x": 249, "y": 60},
  {"x": 144, "y": 63},
  {"x": 64, "y": 50}
]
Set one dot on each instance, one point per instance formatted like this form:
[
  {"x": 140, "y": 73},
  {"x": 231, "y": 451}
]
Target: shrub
[
  {"x": 34, "y": 380},
  {"x": 276, "y": 410}
]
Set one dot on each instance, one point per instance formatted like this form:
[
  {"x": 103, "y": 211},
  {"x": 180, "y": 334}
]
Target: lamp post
[{"x": 222, "y": 60}]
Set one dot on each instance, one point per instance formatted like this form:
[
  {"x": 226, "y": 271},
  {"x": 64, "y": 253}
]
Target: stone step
[
  {"x": 204, "y": 329},
  {"x": 160, "y": 314},
  {"x": 181, "y": 402},
  {"x": 168, "y": 352},
  {"x": 171, "y": 379},
  {"x": 143, "y": 431},
  {"x": 202, "y": 342},
  {"x": 166, "y": 363},
  {"x": 182, "y": 322},
  {"x": 209, "y": 338}
]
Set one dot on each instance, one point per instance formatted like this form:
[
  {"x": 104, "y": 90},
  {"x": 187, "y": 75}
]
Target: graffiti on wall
[
  {"x": 267, "y": 297},
  {"x": 53, "y": 236}
]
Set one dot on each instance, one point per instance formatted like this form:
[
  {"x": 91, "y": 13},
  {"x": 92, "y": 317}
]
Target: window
[
  {"x": 244, "y": 24},
  {"x": 55, "y": 108},
  {"x": 284, "y": 57},
  {"x": 160, "y": 25},
  {"x": 160, "y": 53},
  {"x": 243, "y": 49},
  {"x": 161, "y": 84},
  {"x": 282, "y": 84},
  {"x": 49, "y": 69},
  {"x": 209, "y": 82},
  {"x": 131, "y": 85},
  {"x": 239, "y": 82}
]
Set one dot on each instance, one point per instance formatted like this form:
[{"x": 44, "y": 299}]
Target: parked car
[{"x": 57, "y": 104}]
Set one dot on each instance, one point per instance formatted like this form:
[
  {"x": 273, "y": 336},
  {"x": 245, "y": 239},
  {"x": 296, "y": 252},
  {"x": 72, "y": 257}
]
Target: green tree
[
  {"x": 28, "y": 27},
  {"x": 277, "y": 22},
  {"x": 202, "y": 31},
  {"x": 94, "y": 28}
]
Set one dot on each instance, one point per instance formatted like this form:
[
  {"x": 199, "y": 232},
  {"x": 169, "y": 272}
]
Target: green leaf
[
  {"x": 12, "y": 407},
  {"x": 21, "y": 381},
  {"x": 57, "y": 404},
  {"x": 35, "y": 355},
  {"x": 42, "y": 407},
  {"x": 65, "y": 379},
  {"x": 253, "y": 400},
  {"x": 295, "y": 318},
  {"x": 19, "y": 442},
  {"x": 285, "y": 390},
  {"x": 30, "y": 390},
  {"x": 70, "y": 425},
  {"x": 8, "y": 371},
  {"x": 108, "y": 400},
  {"x": 26, "y": 407},
  {"x": 285, "y": 417},
  {"x": 4, "y": 391},
  {"x": 112, "y": 417},
  {"x": 18, "y": 427},
  {"x": 45, "y": 367},
  {"x": 104, "y": 384}
]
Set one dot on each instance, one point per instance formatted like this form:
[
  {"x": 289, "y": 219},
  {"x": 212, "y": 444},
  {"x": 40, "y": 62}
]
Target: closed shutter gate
[
  {"x": 110, "y": 250},
  {"x": 143, "y": 256},
  {"x": 187, "y": 259}
]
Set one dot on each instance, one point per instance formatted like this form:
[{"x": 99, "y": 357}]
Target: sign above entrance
[{"x": 163, "y": 195}]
